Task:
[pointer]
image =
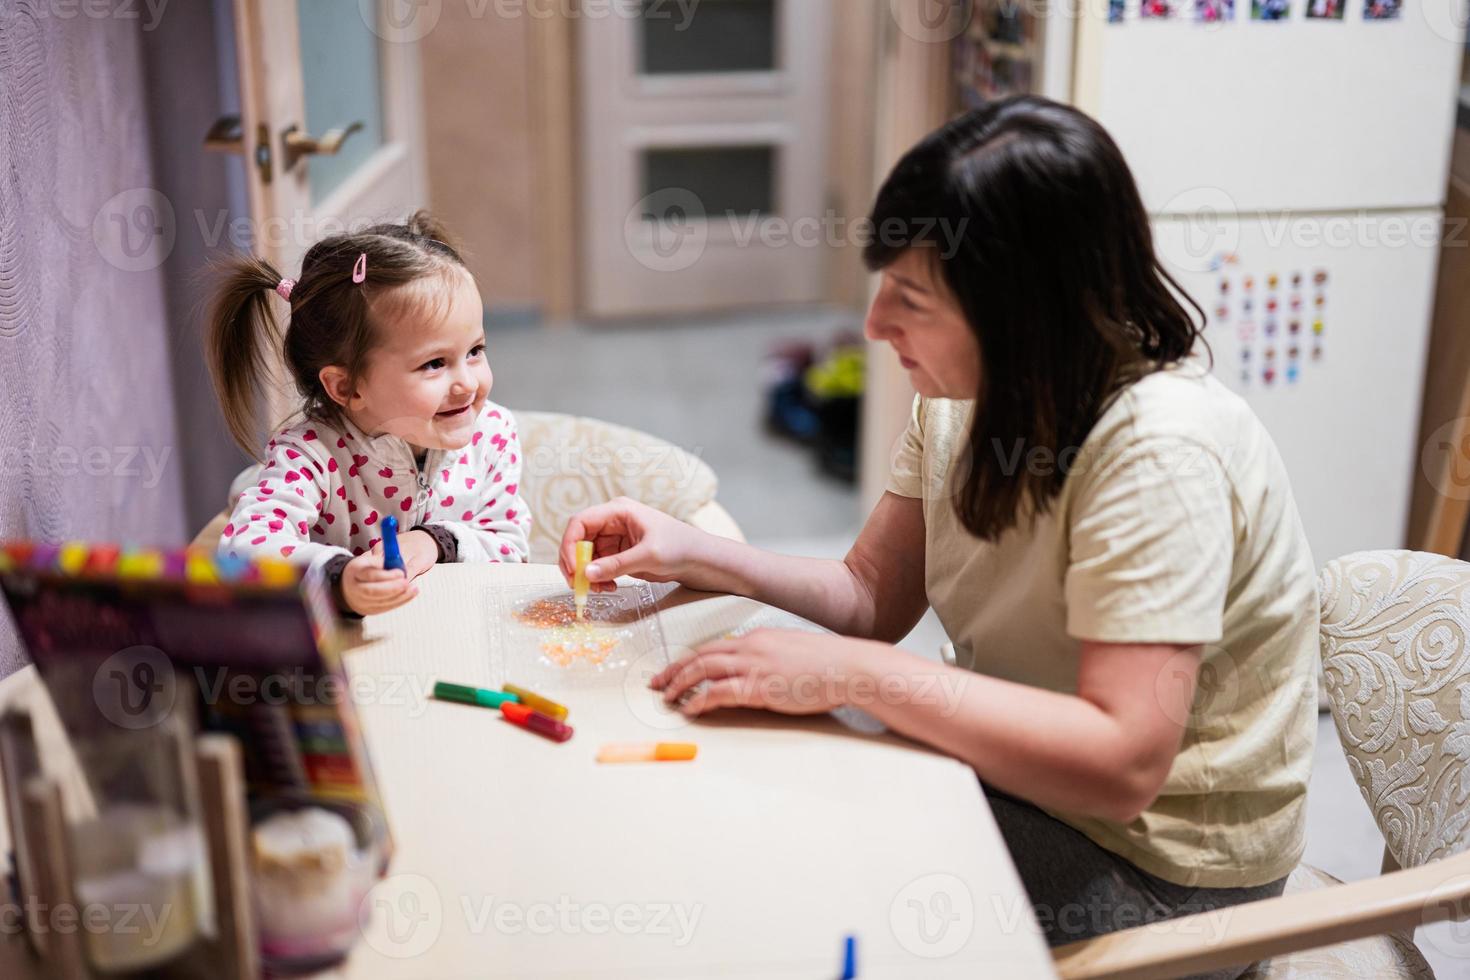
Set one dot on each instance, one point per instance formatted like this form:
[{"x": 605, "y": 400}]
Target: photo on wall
[
  {"x": 1214, "y": 11},
  {"x": 1115, "y": 11},
  {"x": 1270, "y": 9},
  {"x": 1325, "y": 9},
  {"x": 1383, "y": 9},
  {"x": 1157, "y": 9}
]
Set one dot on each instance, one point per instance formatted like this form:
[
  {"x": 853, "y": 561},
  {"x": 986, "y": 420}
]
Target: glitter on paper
[{"x": 568, "y": 641}]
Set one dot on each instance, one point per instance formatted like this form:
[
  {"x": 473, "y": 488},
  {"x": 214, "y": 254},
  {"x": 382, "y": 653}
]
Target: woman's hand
[
  {"x": 790, "y": 671},
  {"x": 629, "y": 538},
  {"x": 368, "y": 588}
]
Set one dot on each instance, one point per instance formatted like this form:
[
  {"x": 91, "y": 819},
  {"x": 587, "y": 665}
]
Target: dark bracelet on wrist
[
  {"x": 333, "y": 572},
  {"x": 443, "y": 538}
]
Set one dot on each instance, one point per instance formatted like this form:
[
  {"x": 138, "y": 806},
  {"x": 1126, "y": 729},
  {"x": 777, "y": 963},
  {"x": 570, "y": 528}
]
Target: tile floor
[{"x": 698, "y": 386}]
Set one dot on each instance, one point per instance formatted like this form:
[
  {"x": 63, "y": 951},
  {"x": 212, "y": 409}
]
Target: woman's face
[{"x": 917, "y": 316}]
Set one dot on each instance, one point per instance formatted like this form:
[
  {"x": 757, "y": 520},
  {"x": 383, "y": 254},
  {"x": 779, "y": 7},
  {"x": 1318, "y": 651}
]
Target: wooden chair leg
[
  {"x": 227, "y": 828},
  {"x": 45, "y": 837}
]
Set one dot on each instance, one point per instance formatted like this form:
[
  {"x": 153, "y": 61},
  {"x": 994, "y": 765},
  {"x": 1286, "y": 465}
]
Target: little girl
[{"x": 386, "y": 345}]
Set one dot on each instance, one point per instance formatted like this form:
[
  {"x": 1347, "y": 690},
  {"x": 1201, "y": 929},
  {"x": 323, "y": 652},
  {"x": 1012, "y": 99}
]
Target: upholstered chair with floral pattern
[{"x": 1395, "y": 643}]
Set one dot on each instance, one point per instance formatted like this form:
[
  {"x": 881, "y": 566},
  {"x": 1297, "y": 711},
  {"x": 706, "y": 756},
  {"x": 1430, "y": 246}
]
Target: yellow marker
[
  {"x": 660, "y": 752},
  {"x": 579, "y": 583},
  {"x": 536, "y": 702}
]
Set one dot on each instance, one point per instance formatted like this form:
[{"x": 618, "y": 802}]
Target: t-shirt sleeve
[
  {"x": 1151, "y": 544},
  {"x": 906, "y": 472}
]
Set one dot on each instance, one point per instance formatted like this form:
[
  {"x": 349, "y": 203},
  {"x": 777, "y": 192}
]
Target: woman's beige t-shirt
[{"x": 1176, "y": 524}]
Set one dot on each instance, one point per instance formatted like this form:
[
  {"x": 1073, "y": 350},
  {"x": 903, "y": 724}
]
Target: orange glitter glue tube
[
  {"x": 535, "y": 721},
  {"x": 534, "y": 701},
  {"x": 660, "y": 752},
  {"x": 580, "y": 585}
]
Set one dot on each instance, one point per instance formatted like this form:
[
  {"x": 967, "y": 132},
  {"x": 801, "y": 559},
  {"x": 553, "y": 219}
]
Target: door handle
[
  {"x": 227, "y": 135},
  {"x": 296, "y": 143}
]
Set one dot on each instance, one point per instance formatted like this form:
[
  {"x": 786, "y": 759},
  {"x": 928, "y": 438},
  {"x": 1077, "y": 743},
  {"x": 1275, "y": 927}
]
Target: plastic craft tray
[{"x": 628, "y": 615}]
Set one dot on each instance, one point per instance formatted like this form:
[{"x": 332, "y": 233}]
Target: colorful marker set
[
  {"x": 545, "y": 717},
  {"x": 517, "y": 705},
  {"x": 193, "y": 566}
]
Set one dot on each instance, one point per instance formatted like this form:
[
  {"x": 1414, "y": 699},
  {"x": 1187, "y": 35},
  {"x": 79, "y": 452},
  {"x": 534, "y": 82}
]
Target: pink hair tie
[
  {"x": 359, "y": 271},
  {"x": 284, "y": 287}
]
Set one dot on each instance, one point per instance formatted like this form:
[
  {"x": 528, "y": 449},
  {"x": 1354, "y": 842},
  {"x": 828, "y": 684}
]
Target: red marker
[{"x": 537, "y": 722}]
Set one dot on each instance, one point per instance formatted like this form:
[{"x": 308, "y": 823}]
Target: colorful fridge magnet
[
  {"x": 1115, "y": 11},
  {"x": 1383, "y": 9},
  {"x": 1157, "y": 9},
  {"x": 1214, "y": 11},
  {"x": 1319, "y": 310},
  {"x": 1325, "y": 9},
  {"x": 1270, "y": 9}
]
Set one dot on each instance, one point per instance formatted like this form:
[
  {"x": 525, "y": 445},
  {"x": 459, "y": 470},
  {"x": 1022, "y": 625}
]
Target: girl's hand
[
  {"x": 368, "y": 588},
  {"x": 629, "y": 538},
  {"x": 790, "y": 671},
  {"x": 419, "y": 550}
]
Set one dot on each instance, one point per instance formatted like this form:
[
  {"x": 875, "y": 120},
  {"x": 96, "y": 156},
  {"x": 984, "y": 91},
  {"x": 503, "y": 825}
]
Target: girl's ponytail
[{"x": 242, "y": 332}]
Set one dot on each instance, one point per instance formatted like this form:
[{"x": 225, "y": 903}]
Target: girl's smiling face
[
  {"x": 427, "y": 377},
  {"x": 918, "y": 317}
]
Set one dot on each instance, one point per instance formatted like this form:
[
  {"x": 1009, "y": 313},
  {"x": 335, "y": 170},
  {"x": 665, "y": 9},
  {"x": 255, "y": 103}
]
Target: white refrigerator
[{"x": 1295, "y": 167}]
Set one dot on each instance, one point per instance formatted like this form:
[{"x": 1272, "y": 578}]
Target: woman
[{"x": 1106, "y": 533}]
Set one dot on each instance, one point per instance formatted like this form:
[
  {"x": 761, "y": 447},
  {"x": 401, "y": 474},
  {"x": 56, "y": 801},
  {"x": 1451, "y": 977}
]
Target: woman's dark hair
[
  {"x": 1033, "y": 222},
  {"x": 332, "y": 317}
]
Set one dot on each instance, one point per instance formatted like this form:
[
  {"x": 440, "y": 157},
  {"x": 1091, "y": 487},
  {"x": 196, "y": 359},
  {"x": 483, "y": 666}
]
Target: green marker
[{"x": 472, "y": 695}]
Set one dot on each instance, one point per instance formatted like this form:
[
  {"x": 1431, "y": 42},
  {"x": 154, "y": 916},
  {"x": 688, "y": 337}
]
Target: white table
[{"x": 519, "y": 857}]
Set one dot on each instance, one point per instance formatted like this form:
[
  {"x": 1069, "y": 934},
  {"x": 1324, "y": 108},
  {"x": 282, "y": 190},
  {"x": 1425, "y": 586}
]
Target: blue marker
[
  {"x": 849, "y": 958},
  {"x": 392, "y": 557}
]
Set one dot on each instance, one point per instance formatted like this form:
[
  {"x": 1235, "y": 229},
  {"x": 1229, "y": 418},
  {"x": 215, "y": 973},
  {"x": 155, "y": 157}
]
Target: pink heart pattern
[{"x": 338, "y": 482}]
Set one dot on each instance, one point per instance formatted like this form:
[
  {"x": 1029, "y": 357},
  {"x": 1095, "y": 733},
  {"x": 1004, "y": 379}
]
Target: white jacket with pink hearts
[{"x": 322, "y": 492}]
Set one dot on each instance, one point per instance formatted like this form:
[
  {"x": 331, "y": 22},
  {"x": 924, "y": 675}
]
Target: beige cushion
[
  {"x": 572, "y": 463},
  {"x": 1398, "y": 677},
  {"x": 1379, "y": 957}
]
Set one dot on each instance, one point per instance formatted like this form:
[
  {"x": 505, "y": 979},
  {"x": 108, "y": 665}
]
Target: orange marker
[{"x": 648, "y": 752}]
